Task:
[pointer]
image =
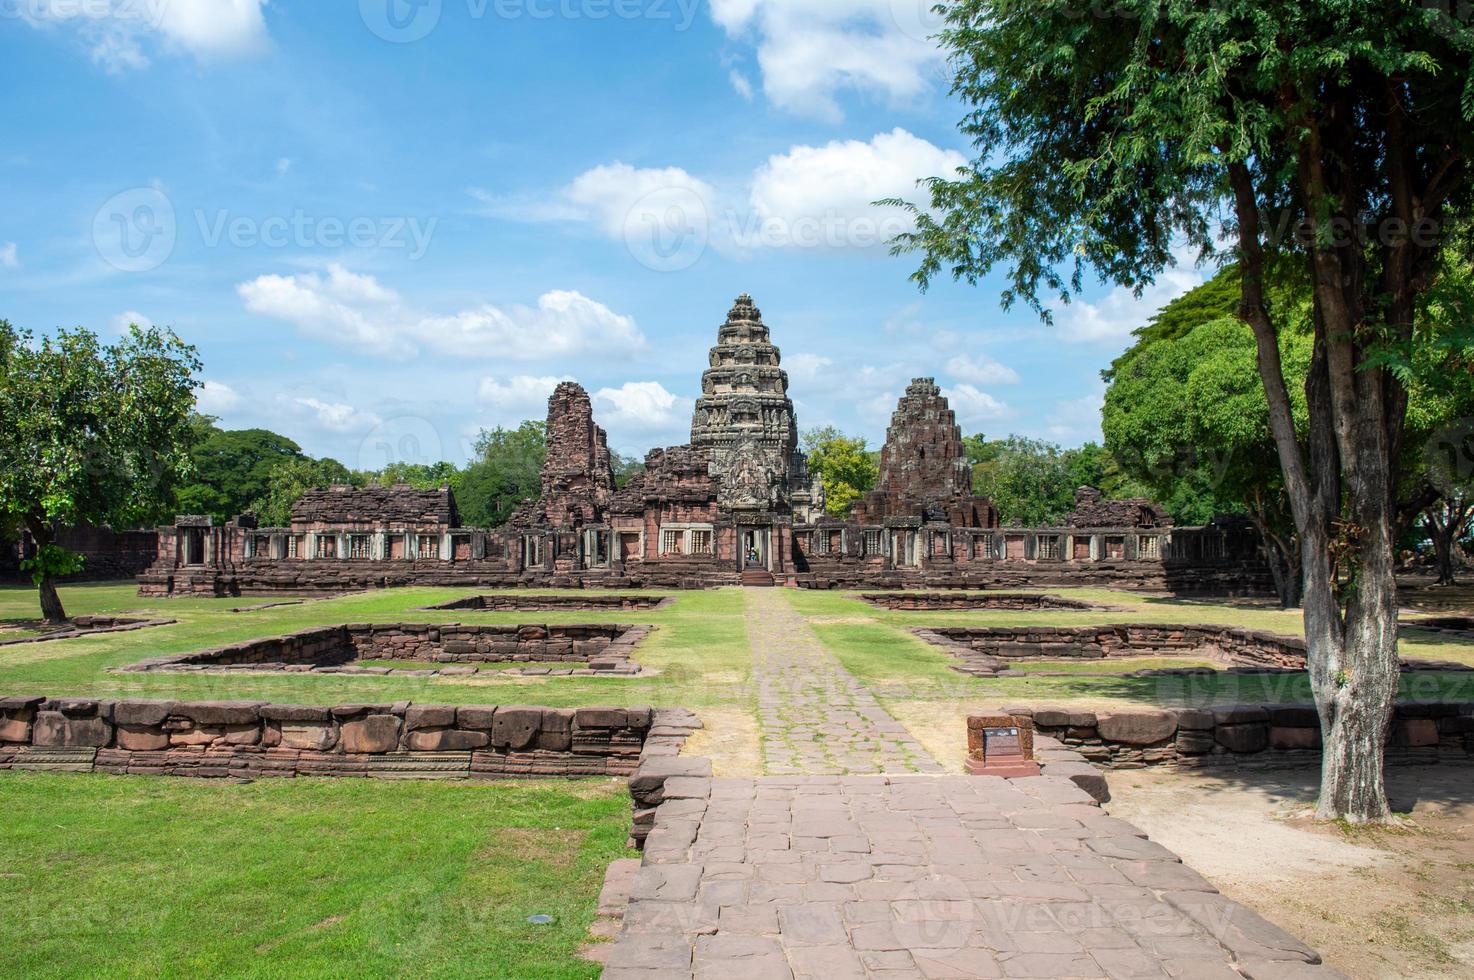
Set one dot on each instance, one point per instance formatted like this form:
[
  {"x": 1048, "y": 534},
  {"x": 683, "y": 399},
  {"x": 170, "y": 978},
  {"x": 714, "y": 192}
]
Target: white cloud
[
  {"x": 974, "y": 406},
  {"x": 981, "y": 369},
  {"x": 523, "y": 391},
  {"x": 283, "y": 166},
  {"x": 810, "y": 50},
  {"x": 803, "y": 368},
  {"x": 641, "y": 406},
  {"x": 740, "y": 83},
  {"x": 334, "y": 416},
  {"x": 356, "y": 310},
  {"x": 117, "y": 32},
  {"x": 836, "y": 185},
  {"x": 9, "y": 257},
  {"x": 123, "y": 321},
  {"x": 1111, "y": 319},
  {"x": 216, "y": 397},
  {"x": 808, "y": 197}
]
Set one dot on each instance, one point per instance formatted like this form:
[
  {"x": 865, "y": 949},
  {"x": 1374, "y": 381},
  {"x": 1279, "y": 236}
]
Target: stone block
[
  {"x": 1249, "y": 737},
  {"x": 429, "y": 716},
  {"x": 600, "y": 717},
  {"x": 1294, "y": 738},
  {"x": 295, "y": 713},
  {"x": 142, "y": 713},
  {"x": 1417, "y": 732},
  {"x": 54, "y": 729},
  {"x": 142, "y": 738},
  {"x": 478, "y": 717},
  {"x": 516, "y": 726},
  {"x": 221, "y": 712},
  {"x": 1293, "y": 716},
  {"x": 317, "y": 737},
  {"x": 1057, "y": 718},
  {"x": 1240, "y": 714},
  {"x": 370, "y": 734},
  {"x": 556, "y": 733},
  {"x": 1194, "y": 719},
  {"x": 15, "y": 731},
  {"x": 446, "y": 740},
  {"x": 1137, "y": 727}
]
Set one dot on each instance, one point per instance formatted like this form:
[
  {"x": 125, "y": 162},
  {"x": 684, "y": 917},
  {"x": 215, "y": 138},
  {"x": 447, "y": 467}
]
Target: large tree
[
  {"x": 506, "y": 471},
  {"x": 844, "y": 465},
  {"x": 1186, "y": 414},
  {"x": 1335, "y": 134},
  {"x": 232, "y": 469},
  {"x": 290, "y": 479},
  {"x": 89, "y": 434}
]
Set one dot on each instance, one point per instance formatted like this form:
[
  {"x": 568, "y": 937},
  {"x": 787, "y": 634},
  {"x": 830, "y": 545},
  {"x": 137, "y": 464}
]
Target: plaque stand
[{"x": 1001, "y": 745}]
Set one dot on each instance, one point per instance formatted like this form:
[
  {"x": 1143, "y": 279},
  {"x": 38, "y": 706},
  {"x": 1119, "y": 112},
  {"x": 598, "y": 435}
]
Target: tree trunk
[
  {"x": 1442, "y": 533},
  {"x": 51, "y": 608}
]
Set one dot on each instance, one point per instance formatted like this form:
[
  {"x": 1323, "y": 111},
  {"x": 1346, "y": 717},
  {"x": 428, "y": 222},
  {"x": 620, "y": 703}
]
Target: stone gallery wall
[
  {"x": 253, "y": 739},
  {"x": 543, "y": 603},
  {"x": 1006, "y": 601},
  {"x": 1252, "y": 735},
  {"x": 991, "y": 647},
  {"x": 107, "y": 555},
  {"x": 600, "y": 646}
]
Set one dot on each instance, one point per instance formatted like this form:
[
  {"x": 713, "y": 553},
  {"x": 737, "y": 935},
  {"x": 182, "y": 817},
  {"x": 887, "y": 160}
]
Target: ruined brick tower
[
  {"x": 923, "y": 468},
  {"x": 578, "y": 474},
  {"x": 745, "y": 419}
]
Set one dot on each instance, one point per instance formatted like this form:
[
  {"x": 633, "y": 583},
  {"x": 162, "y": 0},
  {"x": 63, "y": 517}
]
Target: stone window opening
[
  {"x": 360, "y": 546},
  {"x": 672, "y": 542},
  {"x": 1115, "y": 547},
  {"x": 293, "y": 546},
  {"x": 1149, "y": 547},
  {"x": 429, "y": 546},
  {"x": 194, "y": 546},
  {"x": 533, "y": 551},
  {"x": 872, "y": 543},
  {"x": 701, "y": 542},
  {"x": 1049, "y": 547},
  {"x": 327, "y": 546}
]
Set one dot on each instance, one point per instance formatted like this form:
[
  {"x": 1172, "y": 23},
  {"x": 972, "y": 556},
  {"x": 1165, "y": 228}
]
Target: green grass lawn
[{"x": 112, "y": 876}]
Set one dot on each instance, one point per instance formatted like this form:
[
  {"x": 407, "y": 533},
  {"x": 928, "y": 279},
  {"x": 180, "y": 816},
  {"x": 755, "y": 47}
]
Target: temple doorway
[{"x": 754, "y": 550}]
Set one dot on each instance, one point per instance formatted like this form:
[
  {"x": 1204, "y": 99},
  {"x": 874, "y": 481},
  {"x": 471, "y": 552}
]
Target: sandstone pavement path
[
  {"x": 815, "y": 717},
  {"x": 857, "y": 857}
]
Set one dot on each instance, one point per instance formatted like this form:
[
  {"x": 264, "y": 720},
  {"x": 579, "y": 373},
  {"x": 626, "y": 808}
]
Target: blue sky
[{"x": 389, "y": 223}]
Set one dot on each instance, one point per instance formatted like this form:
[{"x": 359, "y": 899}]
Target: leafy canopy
[{"x": 844, "y": 466}]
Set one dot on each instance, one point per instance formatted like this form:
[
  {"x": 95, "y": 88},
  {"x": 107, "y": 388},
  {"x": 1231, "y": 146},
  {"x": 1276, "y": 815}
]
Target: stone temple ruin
[{"x": 736, "y": 505}]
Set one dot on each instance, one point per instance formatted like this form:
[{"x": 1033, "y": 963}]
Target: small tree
[
  {"x": 843, "y": 464},
  {"x": 1333, "y": 134},
  {"x": 91, "y": 434}
]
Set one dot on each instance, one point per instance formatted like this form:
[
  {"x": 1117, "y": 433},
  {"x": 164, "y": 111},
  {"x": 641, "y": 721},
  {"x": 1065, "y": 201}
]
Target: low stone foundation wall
[
  {"x": 88, "y": 625},
  {"x": 1205, "y": 578},
  {"x": 600, "y": 648},
  {"x": 986, "y": 650},
  {"x": 254, "y": 739},
  {"x": 544, "y": 603},
  {"x": 1459, "y": 626},
  {"x": 1005, "y": 601},
  {"x": 1252, "y": 735}
]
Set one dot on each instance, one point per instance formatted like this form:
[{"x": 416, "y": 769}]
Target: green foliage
[
  {"x": 232, "y": 469},
  {"x": 843, "y": 464},
  {"x": 92, "y": 434},
  {"x": 506, "y": 471},
  {"x": 52, "y": 562},
  {"x": 290, "y": 480},
  {"x": 1033, "y": 482},
  {"x": 421, "y": 476}
]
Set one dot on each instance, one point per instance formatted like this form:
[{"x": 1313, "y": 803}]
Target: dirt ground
[{"x": 1376, "y": 903}]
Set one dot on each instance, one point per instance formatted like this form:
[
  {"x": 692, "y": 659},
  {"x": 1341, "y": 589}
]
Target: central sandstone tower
[{"x": 744, "y": 420}]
